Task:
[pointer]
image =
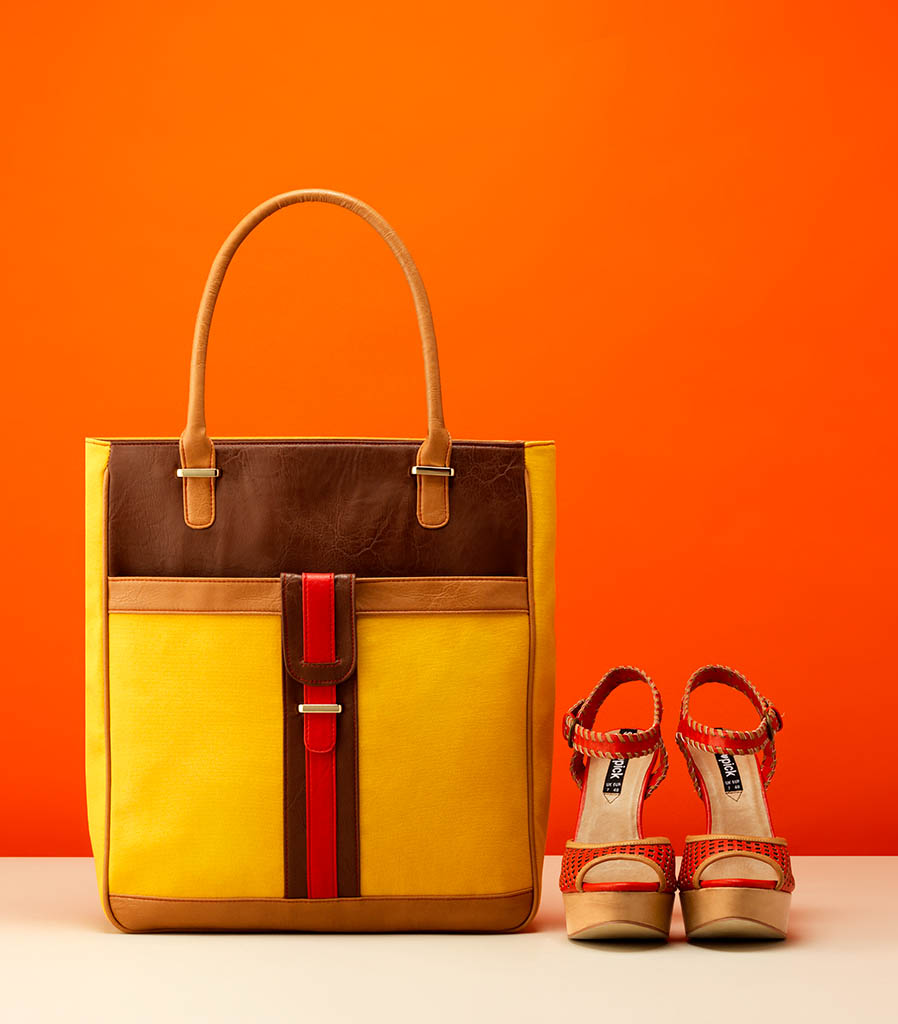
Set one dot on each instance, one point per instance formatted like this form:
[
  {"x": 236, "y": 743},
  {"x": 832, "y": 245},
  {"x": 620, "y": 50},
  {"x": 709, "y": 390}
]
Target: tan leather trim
[
  {"x": 398, "y": 595},
  {"x": 502, "y": 912},
  {"x": 192, "y": 594},
  {"x": 198, "y": 493},
  {"x": 441, "y": 594},
  {"x": 433, "y": 491}
]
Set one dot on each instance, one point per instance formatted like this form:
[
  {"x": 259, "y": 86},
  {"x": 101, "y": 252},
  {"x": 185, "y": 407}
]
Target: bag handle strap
[{"x": 198, "y": 470}]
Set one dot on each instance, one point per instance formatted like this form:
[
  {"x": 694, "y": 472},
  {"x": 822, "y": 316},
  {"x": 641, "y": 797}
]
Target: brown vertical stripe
[{"x": 295, "y": 884}]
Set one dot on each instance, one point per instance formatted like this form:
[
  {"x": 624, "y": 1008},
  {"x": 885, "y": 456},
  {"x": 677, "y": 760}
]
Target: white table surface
[{"x": 60, "y": 960}]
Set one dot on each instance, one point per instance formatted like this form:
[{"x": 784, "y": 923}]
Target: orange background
[{"x": 663, "y": 235}]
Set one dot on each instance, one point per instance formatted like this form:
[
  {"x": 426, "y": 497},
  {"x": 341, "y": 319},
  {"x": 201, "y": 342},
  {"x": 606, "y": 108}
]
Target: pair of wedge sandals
[{"x": 735, "y": 881}]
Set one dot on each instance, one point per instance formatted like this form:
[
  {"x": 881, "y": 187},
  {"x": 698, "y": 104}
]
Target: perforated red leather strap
[
  {"x": 320, "y": 736},
  {"x": 700, "y": 851},
  {"x": 577, "y": 858}
]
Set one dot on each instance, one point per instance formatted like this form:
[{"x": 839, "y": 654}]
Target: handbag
[{"x": 319, "y": 672}]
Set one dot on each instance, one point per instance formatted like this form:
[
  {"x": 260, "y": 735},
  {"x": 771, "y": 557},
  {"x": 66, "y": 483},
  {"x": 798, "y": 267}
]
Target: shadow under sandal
[
  {"x": 736, "y": 881},
  {"x": 616, "y": 884}
]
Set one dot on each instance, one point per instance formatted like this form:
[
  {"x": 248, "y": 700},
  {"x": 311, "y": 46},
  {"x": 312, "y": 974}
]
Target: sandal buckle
[
  {"x": 776, "y": 725},
  {"x": 568, "y": 733}
]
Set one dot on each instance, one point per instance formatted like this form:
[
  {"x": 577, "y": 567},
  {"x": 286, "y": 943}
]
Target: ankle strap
[
  {"x": 729, "y": 741},
  {"x": 576, "y": 727}
]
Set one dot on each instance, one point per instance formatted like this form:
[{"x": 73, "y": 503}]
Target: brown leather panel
[
  {"x": 307, "y": 506},
  {"x": 293, "y": 632},
  {"x": 263, "y": 596},
  {"x": 348, "y": 867},
  {"x": 505, "y": 912},
  {"x": 440, "y": 594}
]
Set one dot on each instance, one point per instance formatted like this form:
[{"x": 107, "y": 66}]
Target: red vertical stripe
[
  {"x": 318, "y": 643},
  {"x": 320, "y": 734}
]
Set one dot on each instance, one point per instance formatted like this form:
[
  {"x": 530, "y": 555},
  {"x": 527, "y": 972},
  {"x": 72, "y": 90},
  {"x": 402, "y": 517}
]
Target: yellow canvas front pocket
[
  {"x": 195, "y": 726},
  {"x": 443, "y": 779}
]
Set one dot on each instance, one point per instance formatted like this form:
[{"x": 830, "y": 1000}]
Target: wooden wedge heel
[
  {"x": 616, "y": 884},
  {"x": 736, "y": 880}
]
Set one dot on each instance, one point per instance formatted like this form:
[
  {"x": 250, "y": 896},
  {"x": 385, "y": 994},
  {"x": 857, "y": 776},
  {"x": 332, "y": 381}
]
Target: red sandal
[
  {"x": 616, "y": 883},
  {"x": 736, "y": 881}
]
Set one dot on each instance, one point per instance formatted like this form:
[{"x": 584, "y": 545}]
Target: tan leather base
[
  {"x": 725, "y": 913},
  {"x": 503, "y": 913},
  {"x": 618, "y": 915}
]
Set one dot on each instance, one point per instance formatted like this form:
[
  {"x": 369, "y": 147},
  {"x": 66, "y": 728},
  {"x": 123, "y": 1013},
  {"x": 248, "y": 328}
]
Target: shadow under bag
[{"x": 320, "y": 673}]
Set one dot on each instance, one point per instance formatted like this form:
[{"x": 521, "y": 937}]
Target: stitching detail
[
  {"x": 752, "y": 741},
  {"x": 586, "y": 743}
]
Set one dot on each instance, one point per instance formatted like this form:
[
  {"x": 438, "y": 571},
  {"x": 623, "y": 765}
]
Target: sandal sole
[
  {"x": 643, "y": 916},
  {"x": 735, "y": 913}
]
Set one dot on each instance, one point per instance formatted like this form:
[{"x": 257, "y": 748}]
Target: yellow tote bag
[{"x": 320, "y": 673}]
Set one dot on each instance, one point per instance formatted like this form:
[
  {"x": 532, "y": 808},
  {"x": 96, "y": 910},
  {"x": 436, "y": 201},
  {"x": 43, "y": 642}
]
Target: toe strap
[
  {"x": 580, "y": 857},
  {"x": 700, "y": 851}
]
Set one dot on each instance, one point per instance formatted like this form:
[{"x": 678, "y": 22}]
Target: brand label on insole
[
  {"x": 729, "y": 773},
  {"x": 614, "y": 777}
]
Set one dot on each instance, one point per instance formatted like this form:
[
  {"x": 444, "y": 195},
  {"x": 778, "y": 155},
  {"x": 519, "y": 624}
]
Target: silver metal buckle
[
  {"x": 433, "y": 471},
  {"x": 187, "y": 474},
  {"x": 319, "y": 709}
]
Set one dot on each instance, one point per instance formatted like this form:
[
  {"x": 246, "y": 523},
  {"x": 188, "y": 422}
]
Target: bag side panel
[
  {"x": 96, "y": 460},
  {"x": 539, "y": 459}
]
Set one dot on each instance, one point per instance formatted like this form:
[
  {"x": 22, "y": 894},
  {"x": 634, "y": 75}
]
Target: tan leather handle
[{"x": 198, "y": 451}]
